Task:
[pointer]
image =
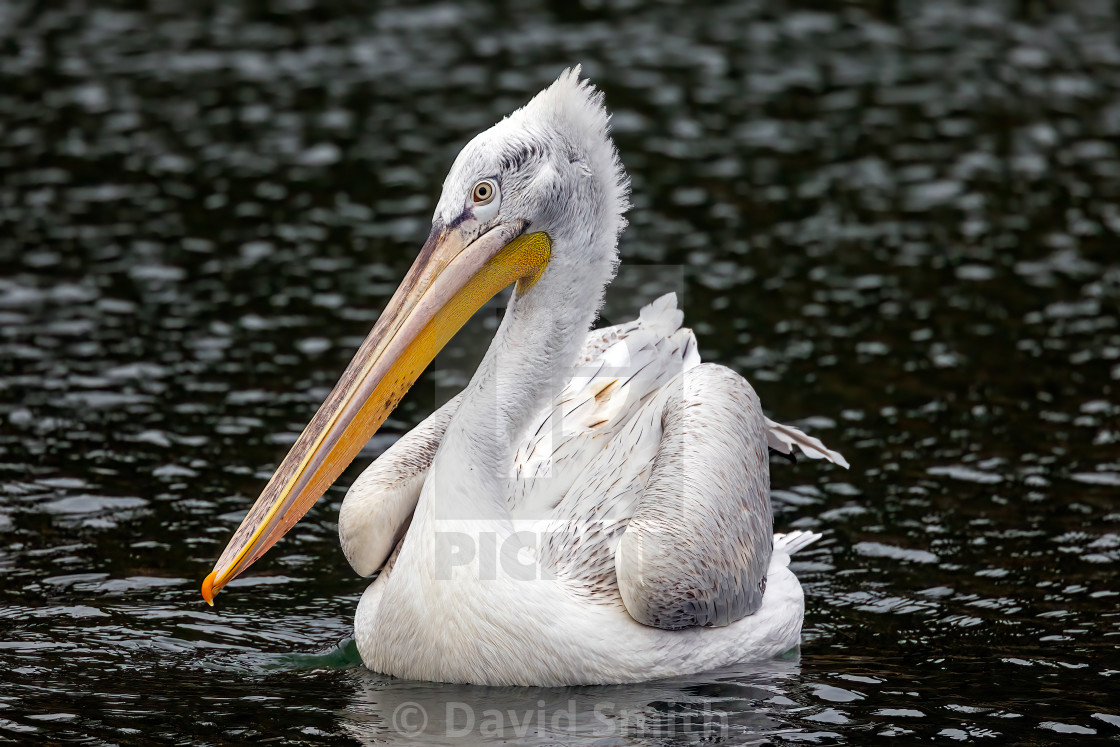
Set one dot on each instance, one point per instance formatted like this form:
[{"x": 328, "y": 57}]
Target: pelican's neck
[{"x": 528, "y": 362}]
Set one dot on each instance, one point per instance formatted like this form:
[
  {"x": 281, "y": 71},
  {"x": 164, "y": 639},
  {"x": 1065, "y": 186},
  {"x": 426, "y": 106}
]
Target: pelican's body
[
  {"x": 459, "y": 612},
  {"x": 592, "y": 508}
]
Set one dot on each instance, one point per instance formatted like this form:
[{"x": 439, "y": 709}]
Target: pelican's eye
[{"x": 484, "y": 192}]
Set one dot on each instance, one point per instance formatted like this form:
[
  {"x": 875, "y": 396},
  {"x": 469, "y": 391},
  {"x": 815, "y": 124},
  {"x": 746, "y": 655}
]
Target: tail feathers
[
  {"x": 790, "y": 542},
  {"x": 782, "y": 438}
]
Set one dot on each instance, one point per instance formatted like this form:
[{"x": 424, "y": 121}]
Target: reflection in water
[{"x": 718, "y": 707}]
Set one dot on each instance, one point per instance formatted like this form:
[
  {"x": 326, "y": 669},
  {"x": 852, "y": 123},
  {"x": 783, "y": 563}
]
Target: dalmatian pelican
[{"x": 594, "y": 507}]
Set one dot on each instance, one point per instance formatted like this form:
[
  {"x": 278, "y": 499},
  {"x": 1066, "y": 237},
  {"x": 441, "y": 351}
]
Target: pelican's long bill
[{"x": 450, "y": 280}]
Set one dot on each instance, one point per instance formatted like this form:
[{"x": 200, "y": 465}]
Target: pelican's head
[
  {"x": 550, "y": 167},
  {"x": 537, "y": 201}
]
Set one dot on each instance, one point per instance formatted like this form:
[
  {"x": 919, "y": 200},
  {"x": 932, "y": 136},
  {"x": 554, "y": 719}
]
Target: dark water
[{"x": 899, "y": 219}]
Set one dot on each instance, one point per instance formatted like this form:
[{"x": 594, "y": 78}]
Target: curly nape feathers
[{"x": 575, "y": 109}]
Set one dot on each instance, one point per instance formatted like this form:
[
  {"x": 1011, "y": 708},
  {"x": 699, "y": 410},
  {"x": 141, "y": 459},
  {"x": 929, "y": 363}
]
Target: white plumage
[
  {"x": 593, "y": 507},
  {"x": 579, "y": 472}
]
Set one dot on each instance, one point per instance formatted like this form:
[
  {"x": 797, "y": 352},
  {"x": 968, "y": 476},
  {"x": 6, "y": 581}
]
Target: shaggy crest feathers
[{"x": 575, "y": 108}]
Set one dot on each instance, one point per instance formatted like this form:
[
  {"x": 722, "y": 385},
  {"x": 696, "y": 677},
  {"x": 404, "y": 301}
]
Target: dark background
[{"x": 899, "y": 220}]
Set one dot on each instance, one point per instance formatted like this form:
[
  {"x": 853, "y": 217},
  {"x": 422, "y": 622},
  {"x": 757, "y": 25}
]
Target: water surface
[{"x": 899, "y": 220}]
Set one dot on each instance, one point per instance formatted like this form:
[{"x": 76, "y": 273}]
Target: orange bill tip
[{"x": 208, "y": 588}]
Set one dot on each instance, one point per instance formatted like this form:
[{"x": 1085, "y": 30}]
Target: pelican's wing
[
  {"x": 673, "y": 517},
  {"x": 379, "y": 505},
  {"x": 697, "y": 548}
]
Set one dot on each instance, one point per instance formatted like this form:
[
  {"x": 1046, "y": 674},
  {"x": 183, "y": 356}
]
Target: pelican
[{"x": 594, "y": 507}]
